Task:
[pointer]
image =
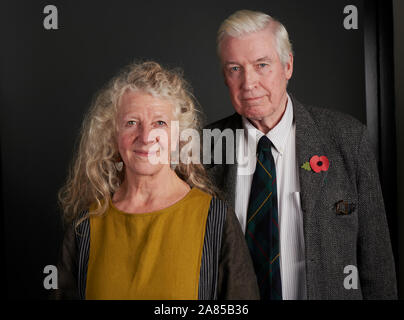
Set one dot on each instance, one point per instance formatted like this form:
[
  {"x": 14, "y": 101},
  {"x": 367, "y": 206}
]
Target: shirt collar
[{"x": 278, "y": 134}]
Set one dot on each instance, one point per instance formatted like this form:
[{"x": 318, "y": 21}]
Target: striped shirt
[{"x": 282, "y": 136}]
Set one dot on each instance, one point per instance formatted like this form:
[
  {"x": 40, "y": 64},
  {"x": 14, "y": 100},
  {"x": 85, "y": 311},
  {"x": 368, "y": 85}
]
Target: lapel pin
[
  {"x": 317, "y": 164},
  {"x": 306, "y": 166}
]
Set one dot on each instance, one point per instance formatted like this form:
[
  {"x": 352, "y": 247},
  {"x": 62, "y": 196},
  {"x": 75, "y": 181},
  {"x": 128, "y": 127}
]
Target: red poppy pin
[{"x": 317, "y": 164}]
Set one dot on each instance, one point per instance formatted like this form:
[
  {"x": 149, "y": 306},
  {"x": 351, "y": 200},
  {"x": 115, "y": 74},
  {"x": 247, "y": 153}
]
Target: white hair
[{"x": 245, "y": 21}]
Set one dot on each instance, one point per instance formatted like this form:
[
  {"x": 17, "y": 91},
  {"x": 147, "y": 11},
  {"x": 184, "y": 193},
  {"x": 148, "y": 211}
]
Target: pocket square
[{"x": 343, "y": 207}]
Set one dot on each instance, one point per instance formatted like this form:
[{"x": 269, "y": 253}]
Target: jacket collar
[{"x": 309, "y": 142}]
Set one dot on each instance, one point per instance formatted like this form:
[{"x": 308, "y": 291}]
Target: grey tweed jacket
[{"x": 333, "y": 240}]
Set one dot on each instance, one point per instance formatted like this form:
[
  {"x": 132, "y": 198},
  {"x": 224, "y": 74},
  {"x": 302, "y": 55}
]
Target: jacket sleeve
[
  {"x": 67, "y": 268},
  {"x": 236, "y": 279},
  {"x": 375, "y": 258}
]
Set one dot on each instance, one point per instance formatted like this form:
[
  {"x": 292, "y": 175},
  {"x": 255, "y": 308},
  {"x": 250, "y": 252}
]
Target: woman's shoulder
[
  {"x": 216, "y": 203},
  {"x": 203, "y": 192}
]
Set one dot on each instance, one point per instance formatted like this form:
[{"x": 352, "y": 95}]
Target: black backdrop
[{"x": 48, "y": 78}]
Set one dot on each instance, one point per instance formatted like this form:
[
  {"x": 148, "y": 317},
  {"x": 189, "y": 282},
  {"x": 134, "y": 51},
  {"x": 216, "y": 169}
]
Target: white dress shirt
[{"x": 290, "y": 219}]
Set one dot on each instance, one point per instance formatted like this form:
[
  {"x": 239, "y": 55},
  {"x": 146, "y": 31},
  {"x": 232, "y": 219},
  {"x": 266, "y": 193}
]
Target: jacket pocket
[{"x": 344, "y": 207}]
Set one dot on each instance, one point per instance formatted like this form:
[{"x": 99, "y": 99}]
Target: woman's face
[{"x": 144, "y": 133}]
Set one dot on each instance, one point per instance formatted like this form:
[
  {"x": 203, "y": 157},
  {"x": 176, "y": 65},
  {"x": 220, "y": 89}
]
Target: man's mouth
[
  {"x": 252, "y": 101},
  {"x": 251, "y": 98}
]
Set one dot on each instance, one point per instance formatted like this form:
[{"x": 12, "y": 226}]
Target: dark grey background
[
  {"x": 48, "y": 78},
  {"x": 399, "y": 94}
]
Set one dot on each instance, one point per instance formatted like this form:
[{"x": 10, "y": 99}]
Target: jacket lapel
[
  {"x": 308, "y": 143},
  {"x": 226, "y": 174}
]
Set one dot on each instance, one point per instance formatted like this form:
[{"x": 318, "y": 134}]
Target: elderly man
[{"x": 311, "y": 207}]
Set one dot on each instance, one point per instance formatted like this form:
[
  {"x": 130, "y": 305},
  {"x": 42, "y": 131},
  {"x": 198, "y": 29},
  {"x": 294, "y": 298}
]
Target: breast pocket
[
  {"x": 345, "y": 216},
  {"x": 344, "y": 207}
]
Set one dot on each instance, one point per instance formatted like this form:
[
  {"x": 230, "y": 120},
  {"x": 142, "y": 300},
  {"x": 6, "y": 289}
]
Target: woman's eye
[{"x": 131, "y": 123}]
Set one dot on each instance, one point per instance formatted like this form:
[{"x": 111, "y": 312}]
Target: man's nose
[{"x": 249, "y": 79}]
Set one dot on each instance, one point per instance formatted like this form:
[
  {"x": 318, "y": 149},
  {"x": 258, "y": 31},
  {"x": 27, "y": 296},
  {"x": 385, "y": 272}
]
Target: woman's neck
[{"x": 139, "y": 194}]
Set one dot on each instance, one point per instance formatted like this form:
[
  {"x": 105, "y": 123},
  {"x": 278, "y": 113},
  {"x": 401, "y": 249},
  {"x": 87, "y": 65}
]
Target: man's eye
[
  {"x": 161, "y": 123},
  {"x": 131, "y": 123},
  {"x": 234, "y": 69},
  {"x": 262, "y": 65}
]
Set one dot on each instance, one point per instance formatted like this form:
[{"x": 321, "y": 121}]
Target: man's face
[{"x": 255, "y": 75}]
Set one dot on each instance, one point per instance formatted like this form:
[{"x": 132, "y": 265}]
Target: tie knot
[{"x": 264, "y": 144}]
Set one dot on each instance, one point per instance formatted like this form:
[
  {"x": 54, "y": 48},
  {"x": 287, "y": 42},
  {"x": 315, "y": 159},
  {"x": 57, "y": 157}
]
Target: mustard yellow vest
[{"x": 154, "y": 255}]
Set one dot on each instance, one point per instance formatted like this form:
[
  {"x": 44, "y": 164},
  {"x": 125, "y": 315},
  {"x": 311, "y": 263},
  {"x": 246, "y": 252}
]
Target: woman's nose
[{"x": 146, "y": 135}]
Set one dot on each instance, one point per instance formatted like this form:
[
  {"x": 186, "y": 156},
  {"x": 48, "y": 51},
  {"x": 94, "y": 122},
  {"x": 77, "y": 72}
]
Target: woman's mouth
[{"x": 143, "y": 153}]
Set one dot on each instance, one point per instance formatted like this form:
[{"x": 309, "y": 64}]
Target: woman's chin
[{"x": 145, "y": 169}]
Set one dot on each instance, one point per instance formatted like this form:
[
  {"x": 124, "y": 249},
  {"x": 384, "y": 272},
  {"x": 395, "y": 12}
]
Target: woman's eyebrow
[{"x": 130, "y": 115}]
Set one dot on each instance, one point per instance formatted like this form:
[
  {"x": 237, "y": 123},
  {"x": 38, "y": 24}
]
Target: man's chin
[{"x": 256, "y": 115}]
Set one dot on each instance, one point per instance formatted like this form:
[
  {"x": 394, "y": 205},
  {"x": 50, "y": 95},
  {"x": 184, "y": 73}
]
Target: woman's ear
[{"x": 118, "y": 157}]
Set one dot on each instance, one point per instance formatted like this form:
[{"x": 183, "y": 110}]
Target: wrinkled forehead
[
  {"x": 143, "y": 102},
  {"x": 251, "y": 46}
]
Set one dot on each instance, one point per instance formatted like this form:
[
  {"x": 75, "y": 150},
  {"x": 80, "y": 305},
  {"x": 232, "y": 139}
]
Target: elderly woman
[{"x": 140, "y": 227}]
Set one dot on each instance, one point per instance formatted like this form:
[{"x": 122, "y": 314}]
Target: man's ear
[{"x": 289, "y": 67}]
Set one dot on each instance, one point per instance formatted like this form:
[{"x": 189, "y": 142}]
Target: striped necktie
[{"x": 262, "y": 232}]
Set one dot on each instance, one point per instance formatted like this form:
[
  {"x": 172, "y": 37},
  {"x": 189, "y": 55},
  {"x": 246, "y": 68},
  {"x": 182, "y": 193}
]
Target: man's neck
[{"x": 268, "y": 123}]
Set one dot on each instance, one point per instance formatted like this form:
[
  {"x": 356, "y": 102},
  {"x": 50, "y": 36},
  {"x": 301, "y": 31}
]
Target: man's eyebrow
[
  {"x": 266, "y": 58},
  {"x": 160, "y": 115},
  {"x": 230, "y": 62}
]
